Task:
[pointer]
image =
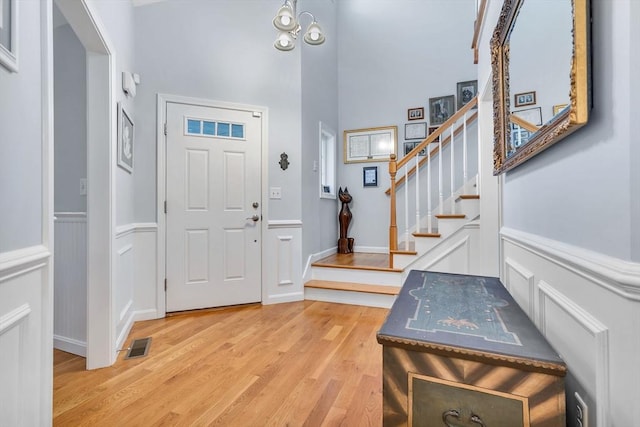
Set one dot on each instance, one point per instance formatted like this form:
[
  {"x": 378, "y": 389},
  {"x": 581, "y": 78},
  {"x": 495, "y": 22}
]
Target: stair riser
[
  {"x": 401, "y": 261},
  {"x": 348, "y": 297},
  {"x": 469, "y": 207},
  {"x": 357, "y": 276},
  {"x": 447, "y": 226}
]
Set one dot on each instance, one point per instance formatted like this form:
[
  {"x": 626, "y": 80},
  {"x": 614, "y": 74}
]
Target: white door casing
[{"x": 213, "y": 194}]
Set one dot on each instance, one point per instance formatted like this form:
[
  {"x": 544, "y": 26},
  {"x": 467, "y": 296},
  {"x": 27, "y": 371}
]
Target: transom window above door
[{"x": 208, "y": 128}]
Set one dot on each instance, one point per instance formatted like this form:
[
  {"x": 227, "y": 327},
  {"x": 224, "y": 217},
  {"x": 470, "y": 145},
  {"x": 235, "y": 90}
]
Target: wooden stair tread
[
  {"x": 469, "y": 196},
  {"x": 450, "y": 216},
  {"x": 403, "y": 252},
  {"x": 357, "y": 261},
  {"x": 425, "y": 234},
  {"x": 353, "y": 287}
]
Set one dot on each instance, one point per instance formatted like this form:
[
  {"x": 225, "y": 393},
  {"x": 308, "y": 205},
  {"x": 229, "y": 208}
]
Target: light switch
[{"x": 275, "y": 193}]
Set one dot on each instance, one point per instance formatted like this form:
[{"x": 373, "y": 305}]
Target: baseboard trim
[{"x": 70, "y": 345}]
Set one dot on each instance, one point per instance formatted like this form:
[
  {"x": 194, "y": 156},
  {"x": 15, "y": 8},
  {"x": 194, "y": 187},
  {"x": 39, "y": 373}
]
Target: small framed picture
[
  {"x": 370, "y": 176},
  {"x": 531, "y": 115},
  {"x": 415, "y": 130},
  {"x": 125, "y": 140},
  {"x": 408, "y": 146},
  {"x": 415, "y": 113},
  {"x": 466, "y": 92},
  {"x": 558, "y": 108},
  {"x": 441, "y": 108},
  {"x": 525, "y": 98},
  {"x": 432, "y": 129}
]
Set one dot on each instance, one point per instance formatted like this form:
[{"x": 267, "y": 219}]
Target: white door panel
[{"x": 213, "y": 181}]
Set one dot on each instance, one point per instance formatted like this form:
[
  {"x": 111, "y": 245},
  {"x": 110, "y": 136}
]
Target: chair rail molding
[{"x": 614, "y": 274}]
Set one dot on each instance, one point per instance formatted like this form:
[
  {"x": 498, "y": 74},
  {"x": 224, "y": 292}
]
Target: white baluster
[
  {"x": 406, "y": 206},
  {"x": 440, "y": 185},
  {"x": 429, "y": 189},
  {"x": 453, "y": 171},
  {"x": 464, "y": 151},
  {"x": 417, "y": 194}
]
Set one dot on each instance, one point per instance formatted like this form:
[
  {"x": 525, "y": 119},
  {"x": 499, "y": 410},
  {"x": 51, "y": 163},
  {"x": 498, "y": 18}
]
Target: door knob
[{"x": 254, "y": 218}]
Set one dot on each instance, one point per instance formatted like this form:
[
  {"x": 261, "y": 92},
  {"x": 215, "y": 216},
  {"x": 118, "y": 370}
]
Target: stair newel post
[
  {"x": 429, "y": 213},
  {"x": 453, "y": 172},
  {"x": 393, "y": 227},
  {"x": 464, "y": 153},
  {"x": 417, "y": 228}
]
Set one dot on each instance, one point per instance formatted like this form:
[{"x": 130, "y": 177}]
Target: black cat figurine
[{"x": 345, "y": 244}]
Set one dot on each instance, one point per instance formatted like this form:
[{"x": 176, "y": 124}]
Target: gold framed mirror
[{"x": 540, "y": 60}]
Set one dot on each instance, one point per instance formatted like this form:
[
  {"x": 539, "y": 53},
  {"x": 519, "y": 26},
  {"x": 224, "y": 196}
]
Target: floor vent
[{"x": 138, "y": 348}]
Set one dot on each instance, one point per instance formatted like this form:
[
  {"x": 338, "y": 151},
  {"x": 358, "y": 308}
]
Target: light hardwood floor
[{"x": 296, "y": 364}]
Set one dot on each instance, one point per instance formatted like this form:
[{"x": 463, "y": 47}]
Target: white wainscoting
[
  {"x": 458, "y": 253},
  {"x": 25, "y": 320},
  {"x": 134, "y": 290},
  {"x": 70, "y": 282},
  {"x": 588, "y": 306},
  {"x": 282, "y": 272}
]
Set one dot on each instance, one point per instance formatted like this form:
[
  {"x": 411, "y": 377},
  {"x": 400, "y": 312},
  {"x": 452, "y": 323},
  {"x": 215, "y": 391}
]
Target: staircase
[{"x": 437, "y": 218}]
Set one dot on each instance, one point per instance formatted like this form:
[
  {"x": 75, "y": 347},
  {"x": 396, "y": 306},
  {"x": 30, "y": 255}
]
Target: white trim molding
[
  {"x": 284, "y": 223},
  {"x": 599, "y": 333},
  {"x": 614, "y": 274}
]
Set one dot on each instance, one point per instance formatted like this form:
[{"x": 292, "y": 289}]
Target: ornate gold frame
[{"x": 561, "y": 125}]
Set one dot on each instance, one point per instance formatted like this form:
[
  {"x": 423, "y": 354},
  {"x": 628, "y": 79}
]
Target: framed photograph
[
  {"x": 532, "y": 115},
  {"x": 441, "y": 108},
  {"x": 415, "y": 113},
  {"x": 524, "y": 98},
  {"x": 432, "y": 129},
  {"x": 466, "y": 91},
  {"x": 370, "y": 145},
  {"x": 408, "y": 146},
  {"x": 558, "y": 108},
  {"x": 125, "y": 140},
  {"x": 9, "y": 34},
  {"x": 415, "y": 130},
  {"x": 370, "y": 176}
]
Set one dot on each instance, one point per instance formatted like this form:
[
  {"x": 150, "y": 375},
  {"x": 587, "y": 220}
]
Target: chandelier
[{"x": 289, "y": 27}]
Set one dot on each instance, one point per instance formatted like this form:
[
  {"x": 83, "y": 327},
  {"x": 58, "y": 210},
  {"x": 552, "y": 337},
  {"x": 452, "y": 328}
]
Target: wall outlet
[
  {"x": 83, "y": 186},
  {"x": 582, "y": 412}
]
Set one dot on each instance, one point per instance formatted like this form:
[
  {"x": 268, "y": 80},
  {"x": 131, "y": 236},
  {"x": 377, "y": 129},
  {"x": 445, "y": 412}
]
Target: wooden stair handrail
[
  {"x": 523, "y": 123},
  {"x": 435, "y": 151},
  {"x": 395, "y": 165}
]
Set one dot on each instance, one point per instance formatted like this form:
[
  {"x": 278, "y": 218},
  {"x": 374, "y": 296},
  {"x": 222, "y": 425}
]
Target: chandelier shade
[{"x": 287, "y": 22}]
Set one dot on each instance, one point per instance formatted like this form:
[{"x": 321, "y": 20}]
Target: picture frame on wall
[
  {"x": 370, "y": 145},
  {"x": 441, "y": 108},
  {"x": 524, "y": 98},
  {"x": 370, "y": 176},
  {"x": 432, "y": 129},
  {"x": 415, "y": 130},
  {"x": 415, "y": 113},
  {"x": 466, "y": 91},
  {"x": 531, "y": 115},
  {"x": 125, "y": 139},
  {"x": 9, "y": 34},
  {"x": 408, "y": 146}
]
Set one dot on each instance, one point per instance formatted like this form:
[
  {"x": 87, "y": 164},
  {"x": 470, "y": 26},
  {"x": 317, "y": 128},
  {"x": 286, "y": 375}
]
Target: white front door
[{"x": 213, "y": 206}]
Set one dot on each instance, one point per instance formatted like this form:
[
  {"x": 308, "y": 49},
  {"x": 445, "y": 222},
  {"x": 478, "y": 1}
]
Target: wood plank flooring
[
  {"x": 357, "y": 260},
  {"x": 306, "y": 363}
]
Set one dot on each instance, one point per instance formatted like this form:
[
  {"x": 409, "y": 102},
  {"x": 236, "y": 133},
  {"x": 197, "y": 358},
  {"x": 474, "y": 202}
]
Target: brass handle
[
  {"x": 450, "y": 413},
  {"x": 254, "y": 218},
  {"x": 476, "y": 419}
]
